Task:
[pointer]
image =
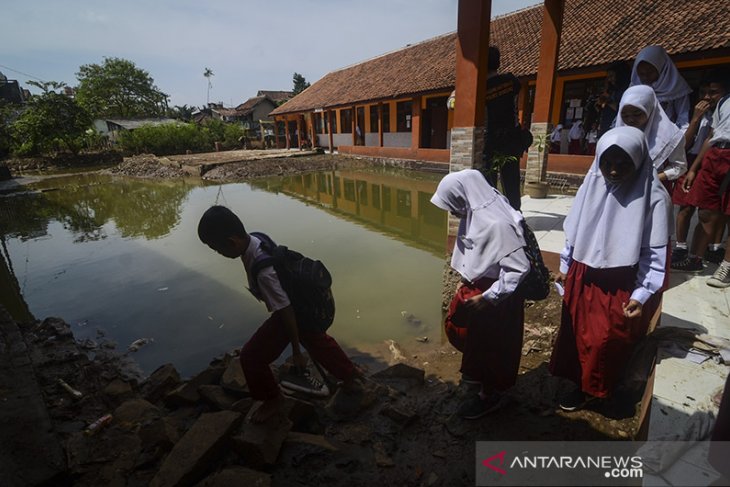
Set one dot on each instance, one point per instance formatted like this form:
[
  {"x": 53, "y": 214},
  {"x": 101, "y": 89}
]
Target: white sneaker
[{"x": 721, "y": 277}]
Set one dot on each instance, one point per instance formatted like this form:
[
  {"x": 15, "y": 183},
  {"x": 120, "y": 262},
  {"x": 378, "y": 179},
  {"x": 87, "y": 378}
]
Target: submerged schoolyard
[{"x": 119, "y": 259}]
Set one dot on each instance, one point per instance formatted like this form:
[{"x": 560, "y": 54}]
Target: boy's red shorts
[
  {"x": 705, "y": 191},
  {"x": 679, "y": 197}
]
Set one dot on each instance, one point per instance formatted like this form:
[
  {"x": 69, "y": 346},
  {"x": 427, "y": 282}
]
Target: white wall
[{"x": 397, "y": 139}]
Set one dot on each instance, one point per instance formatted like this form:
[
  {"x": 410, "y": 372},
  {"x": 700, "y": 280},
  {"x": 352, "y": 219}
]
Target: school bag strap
[
  {"x": 307, "y": 282},
  {"x": 536, "y": 285}
]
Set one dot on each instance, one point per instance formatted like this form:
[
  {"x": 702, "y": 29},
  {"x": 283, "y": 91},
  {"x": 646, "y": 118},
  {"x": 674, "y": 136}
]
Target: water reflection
[
  {"x": 123, "y": 256},
  {"x": 85, "y": 204},
  {"x": 384, "y": 200}
]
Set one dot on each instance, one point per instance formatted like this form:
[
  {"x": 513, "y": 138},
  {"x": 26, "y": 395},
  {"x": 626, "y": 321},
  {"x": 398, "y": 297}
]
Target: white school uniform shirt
[
  {"x": 269, "y": 285},
  {"x": 721, "y": 122}
]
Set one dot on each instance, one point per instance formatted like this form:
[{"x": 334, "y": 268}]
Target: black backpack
[
  {"x": 536, "y": 285},
  {"x": 307, "y": 282}
]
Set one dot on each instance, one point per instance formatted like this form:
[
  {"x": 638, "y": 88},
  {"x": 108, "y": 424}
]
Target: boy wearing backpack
[{"x": 222, "y": 231}]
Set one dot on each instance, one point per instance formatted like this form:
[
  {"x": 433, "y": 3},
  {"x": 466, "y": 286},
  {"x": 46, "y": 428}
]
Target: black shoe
[
  {"x": 573, "y": 400},
  {"x": 678, "y": 255},
  {"x": 304, "y": 381},
  {"x": 690, "y": 264},
  {"x": 715, "y": 256},
  {"x": 475, "y": 407},
  {"x": 466, "y": 379}
]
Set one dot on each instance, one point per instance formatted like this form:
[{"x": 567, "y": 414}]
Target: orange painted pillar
[
  {"x": 353, "y": 119},
  {"x": 552, "y": 22},
  {"x": 329, "y": 130},
  {"x": 380, "y": 124},
  {"x": 312, "y": 131},
  {"x": 416, "y": 123},
  {"x": 536, "y": 170},
  {"x": 472, "y": 43}
]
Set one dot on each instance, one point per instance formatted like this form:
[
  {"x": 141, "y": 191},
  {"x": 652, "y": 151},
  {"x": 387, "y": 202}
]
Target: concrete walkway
[{"x": 683, "y": 389}]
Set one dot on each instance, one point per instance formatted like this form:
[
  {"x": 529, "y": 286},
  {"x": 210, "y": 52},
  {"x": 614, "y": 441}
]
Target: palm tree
[{"x": 207, "y": 74}]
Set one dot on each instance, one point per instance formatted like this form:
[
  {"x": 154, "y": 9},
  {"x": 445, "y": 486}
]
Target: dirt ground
[{"x": 409, "y": 435}]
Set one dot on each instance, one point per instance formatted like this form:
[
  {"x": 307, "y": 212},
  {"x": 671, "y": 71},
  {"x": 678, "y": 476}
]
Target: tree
[
  {"x": 50, "y": 122},
  {"x": 300, "y": 84},
  {"x": 181, "y": 112},
  {"x": 46, "y": 86},
  {"x": 208, "y": 73},
  {"x": 118, "y": 88}
]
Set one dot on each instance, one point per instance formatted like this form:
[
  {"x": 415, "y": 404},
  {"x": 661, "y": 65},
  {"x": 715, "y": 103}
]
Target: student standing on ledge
[
  {"x": 486, "y": 316},
  {"x": 613, "y": 266}
]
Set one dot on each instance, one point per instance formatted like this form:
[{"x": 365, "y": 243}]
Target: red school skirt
[
  {"x": 596, "y": 340},
  {"x": 490, "y": 340}
]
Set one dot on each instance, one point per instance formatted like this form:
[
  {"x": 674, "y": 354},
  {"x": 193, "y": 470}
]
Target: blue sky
[{"x": 249, "y": 45}]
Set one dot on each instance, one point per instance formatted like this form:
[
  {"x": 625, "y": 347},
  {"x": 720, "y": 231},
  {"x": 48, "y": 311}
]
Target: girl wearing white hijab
[
  {"x": 486, "y": 316},
  {"x": 613, "y": 266},
  {"x": 654, "y": 68},
  {"x": 575, "y": 135},
  {"x": 640, "y": 108}
]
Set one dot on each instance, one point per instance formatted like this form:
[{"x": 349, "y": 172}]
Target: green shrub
[{"x": 178, "y": 138}]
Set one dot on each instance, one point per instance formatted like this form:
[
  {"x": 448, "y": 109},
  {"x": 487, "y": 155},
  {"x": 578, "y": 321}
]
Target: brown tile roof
[
  {"x": 277, "y": 96},
  {"x": 595, "y": 33},
  {"x": 248, "y": 106}
]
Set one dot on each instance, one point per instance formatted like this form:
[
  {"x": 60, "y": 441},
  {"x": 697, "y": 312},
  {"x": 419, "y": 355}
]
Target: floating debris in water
[
  {"x": 410, "y": 318},
  {"x": 395, "y": 350},
  {"x": 222, "y": 325},
  {"x": 137, "y": 344},
  {"x": 82, "y": 323},
  {"x": 210, "y": 318},
  {"x": 422, "y": 339},
  {"x": 163, "y": 289}
]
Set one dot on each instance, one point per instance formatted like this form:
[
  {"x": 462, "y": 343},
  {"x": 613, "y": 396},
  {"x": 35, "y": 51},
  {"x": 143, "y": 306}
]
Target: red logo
[{"x": 488, "y": 462}]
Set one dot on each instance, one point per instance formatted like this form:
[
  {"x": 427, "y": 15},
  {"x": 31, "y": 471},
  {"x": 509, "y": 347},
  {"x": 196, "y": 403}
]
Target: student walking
[
  {"x": 613, "y": 266},
  {"x": 486, "y": 316},
  {"x": 653, "y": 67},
  {"x": 223, "y": 231}
]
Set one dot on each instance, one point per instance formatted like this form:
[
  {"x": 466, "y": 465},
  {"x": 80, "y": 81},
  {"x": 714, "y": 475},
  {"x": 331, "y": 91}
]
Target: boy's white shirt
[
  {"x": 721, "y": 123},
  {"x": 272, "y": 292}
]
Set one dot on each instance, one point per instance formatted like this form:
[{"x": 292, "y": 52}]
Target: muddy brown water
[{"x": 120, "y": 257}]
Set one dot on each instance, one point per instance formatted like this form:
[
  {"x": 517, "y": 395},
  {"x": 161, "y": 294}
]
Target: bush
[{"x": 178, "y": 138}]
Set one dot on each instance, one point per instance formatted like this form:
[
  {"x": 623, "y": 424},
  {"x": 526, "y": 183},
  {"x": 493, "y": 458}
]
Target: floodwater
[{"x": 122, "y": 256}]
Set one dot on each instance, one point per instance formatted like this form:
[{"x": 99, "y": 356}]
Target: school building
[{"x": 394, "y": 106}]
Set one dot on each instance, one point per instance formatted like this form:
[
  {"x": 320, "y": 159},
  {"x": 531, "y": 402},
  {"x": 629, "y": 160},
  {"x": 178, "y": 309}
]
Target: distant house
[
  {"x": 111, "y": 128},
  {"x": 249, "y": 113},
  {"x": 277, "y": 97},
  {"x": 11, "y": 92}
]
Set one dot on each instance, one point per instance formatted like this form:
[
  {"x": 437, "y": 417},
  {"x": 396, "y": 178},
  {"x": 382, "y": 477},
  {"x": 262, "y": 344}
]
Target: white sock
[
  {"x": 725, "y": 263},
  {"x": 680, "y": 245},
  {"x": 716, "y": 246}
]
